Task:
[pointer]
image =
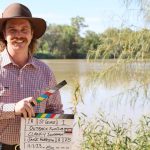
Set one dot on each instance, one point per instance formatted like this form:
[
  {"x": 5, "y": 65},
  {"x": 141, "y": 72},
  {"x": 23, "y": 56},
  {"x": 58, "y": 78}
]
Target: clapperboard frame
[{"x": 47, "y": 131}]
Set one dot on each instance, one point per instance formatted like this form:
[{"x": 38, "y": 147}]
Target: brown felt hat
[{"x": 17, "y": 10}]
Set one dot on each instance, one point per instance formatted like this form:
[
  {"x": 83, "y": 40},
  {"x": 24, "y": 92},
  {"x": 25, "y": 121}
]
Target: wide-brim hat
[{"x": 17, "y": 10}]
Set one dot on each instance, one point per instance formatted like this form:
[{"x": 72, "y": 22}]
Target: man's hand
[{"x": 24, "y": 107}]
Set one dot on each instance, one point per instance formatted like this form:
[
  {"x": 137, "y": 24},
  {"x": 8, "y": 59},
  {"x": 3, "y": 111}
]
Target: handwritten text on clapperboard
[{"x": 47, "y": 132}]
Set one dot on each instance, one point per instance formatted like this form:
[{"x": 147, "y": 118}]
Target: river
[
  {"x": 96, "y": 98},
  {"x": 120, "y": 96}
]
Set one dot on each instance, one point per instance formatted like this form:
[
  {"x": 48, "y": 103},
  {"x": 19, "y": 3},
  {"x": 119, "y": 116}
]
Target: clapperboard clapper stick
[{"x": 48, "y": 93}]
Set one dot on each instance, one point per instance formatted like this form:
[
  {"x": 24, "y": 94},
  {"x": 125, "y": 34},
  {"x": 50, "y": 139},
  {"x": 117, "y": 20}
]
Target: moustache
[{"x": 16, "y": 39}]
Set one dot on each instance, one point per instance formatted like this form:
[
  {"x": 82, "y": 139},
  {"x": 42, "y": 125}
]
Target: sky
[{"x": 98, "y": 14}]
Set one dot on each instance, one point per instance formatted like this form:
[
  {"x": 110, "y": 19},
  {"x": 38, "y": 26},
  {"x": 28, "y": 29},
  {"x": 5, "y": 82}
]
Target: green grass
[{"x": 103, "y": 134}]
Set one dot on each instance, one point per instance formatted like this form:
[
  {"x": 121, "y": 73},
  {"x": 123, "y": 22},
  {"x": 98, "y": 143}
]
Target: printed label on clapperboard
[{"x": 47, "y": 132}]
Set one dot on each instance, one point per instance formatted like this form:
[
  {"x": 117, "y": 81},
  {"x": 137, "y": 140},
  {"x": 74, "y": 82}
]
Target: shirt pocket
[
  {"x": 5, "y": 94},
  {"x": 5, "y": 91}
]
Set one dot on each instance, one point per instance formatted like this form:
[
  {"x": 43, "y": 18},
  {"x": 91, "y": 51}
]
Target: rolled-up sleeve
[{"x": 7, "y": 111}]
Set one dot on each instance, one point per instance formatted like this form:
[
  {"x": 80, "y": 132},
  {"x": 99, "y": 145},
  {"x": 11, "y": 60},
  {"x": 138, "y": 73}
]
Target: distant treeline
[{"x": 65, "y": 41}]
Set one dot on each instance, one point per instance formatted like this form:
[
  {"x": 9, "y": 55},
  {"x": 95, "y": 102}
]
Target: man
[{"x": 22, "y": 77}]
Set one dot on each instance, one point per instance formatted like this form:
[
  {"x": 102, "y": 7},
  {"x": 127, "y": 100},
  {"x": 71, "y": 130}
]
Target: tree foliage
[{"x": 65, "y": 41}]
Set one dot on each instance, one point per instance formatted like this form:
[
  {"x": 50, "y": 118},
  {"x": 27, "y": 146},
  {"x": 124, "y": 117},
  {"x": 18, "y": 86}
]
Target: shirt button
[{"x": 21, "y": 85}]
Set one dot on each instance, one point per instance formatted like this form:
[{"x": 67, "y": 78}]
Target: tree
[
  {"x": 78, "y": 23},
  {"x": 144, "y": 7}
]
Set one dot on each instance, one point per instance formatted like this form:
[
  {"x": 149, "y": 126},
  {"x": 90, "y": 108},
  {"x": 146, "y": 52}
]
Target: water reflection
[{"x": 111, "y": 96}]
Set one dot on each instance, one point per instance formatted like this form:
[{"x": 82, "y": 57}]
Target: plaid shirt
[{"x": 17, "y": 84}]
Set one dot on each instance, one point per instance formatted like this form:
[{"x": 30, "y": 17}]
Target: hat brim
[{"x": 38, "y": 25}]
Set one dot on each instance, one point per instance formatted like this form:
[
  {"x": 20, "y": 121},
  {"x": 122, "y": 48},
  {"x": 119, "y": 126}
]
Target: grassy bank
[{"x": 101, "y": 134}]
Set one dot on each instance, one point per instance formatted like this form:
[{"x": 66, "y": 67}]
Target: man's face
[{"x": 18, "y": 34}]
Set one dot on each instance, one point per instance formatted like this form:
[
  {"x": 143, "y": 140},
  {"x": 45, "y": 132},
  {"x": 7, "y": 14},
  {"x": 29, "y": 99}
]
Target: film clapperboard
[{"x": 47, "y": 131}]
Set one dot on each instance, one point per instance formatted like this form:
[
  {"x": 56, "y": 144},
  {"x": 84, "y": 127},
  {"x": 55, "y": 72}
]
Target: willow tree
[
  {"x": 143, "y": 6},
  {"x": 130, "y": 50}
]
